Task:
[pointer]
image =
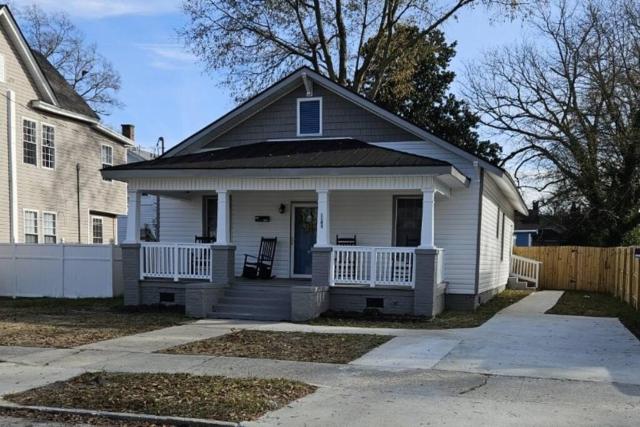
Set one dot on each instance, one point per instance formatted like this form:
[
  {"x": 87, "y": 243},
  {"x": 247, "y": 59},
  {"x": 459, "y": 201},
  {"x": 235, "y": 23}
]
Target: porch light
[{"x": 282, "y": 208}]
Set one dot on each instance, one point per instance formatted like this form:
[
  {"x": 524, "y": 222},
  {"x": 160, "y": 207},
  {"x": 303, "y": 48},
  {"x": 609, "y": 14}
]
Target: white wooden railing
[
  {"x": 175, "y": 261},
  {"x": 372, "y": 266},
  {"x": 525, "y": 268}
]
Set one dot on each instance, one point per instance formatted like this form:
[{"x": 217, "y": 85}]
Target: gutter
[{"x": 95, "y": 124}]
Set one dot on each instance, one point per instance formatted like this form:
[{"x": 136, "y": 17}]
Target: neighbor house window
[
  {"x": 48, "y": 147},
  {"x": 30, "y": 226},
  {"x": 309, "y": 116},
  {"x": 49, "y": 225},
  {"x": 97, "y": 234},
  {"x": 502, "y": 240},
  {"x": 29, "y": 142},
  {"x": 107, "y": 157}
]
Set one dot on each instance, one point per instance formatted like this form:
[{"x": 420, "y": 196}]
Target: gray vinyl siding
[
  {"x": 341, "y": 118},
  {"x": 494, "y": 271},
  {"x": 43, "y": 189}
]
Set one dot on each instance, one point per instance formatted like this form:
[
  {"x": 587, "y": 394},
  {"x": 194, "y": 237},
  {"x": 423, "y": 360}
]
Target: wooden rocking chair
[{"x": 262, "y": 266}]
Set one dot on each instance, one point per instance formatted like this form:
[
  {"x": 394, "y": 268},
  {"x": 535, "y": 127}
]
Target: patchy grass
[
  {"x": 298, "y": 346},
  {"x": 447, "y": 320},
  {"x": 576, "y": 303},
  {"x": 182, "y": 395},
  {"x": 73, "y": 419},
  {"x": 52, "y": 322}
]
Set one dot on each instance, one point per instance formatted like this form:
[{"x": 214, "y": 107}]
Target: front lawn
[
  {"x": 181, "y": 395},
  {"x": 446, "y": 320},
  {"x": 298, "y": 346},
  {"x": 52, "y": 322},
  {"x": 577, "y": 303}
]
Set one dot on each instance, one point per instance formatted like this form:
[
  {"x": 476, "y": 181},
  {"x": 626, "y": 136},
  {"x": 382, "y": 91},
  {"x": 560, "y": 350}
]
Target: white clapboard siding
[
  {"x": 456, "y": 218},
  {"x": 180, "y": 219},
  {"x": 494, "y": 271}
]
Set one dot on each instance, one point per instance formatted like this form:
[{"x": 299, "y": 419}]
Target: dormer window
[{"x": 309, "y": 116}]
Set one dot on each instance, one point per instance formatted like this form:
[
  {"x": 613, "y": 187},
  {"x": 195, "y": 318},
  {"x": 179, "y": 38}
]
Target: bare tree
[
  {"x": 89, "y": 73},
  {"x": 571, "y": 103},
  {"x": 257, "y": 42}
]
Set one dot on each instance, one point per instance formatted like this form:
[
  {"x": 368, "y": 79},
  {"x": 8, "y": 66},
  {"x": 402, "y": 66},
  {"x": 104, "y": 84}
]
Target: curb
[{"x": 126, "y": 416}]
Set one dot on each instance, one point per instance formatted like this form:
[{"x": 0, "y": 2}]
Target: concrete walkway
[{"x": 520, "y": 367}]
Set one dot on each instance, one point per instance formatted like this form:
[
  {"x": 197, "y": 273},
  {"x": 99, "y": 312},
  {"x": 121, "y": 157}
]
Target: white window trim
[
  {"x": 23, "y": 119},
  {"x": 91, "y": 218},
  {"x": 55, "y": 158},
  {"x": 298, "y": 102},
  {"x": 24, "y": 225},
  {"x": 44, "y": 234},
  {"x": 107, "y": 180}
]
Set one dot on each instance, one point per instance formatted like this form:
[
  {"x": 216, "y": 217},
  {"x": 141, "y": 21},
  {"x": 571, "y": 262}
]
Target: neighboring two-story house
[{"x": 52, "y": 147}]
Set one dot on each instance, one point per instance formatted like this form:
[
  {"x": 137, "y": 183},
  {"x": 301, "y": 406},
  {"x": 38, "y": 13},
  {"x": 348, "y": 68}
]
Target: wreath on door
[{"x": 309, "y": 219}]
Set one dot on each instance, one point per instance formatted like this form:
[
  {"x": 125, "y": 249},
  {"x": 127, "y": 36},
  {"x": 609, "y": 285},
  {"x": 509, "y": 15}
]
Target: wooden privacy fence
[{"x": 609, "y": 270}]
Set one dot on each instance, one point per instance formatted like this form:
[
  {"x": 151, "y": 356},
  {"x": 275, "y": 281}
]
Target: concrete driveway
[{"x": 523, "y": 341}]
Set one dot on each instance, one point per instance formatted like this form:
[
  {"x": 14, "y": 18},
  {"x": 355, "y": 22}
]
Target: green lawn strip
[
  {"x": 297, "y": 346},
  {"x": 53, "y": 322},
  {"x": 181, "y": 395},
  {"x": 447, "y": 320},
  {"x": 577, "y": 303}
]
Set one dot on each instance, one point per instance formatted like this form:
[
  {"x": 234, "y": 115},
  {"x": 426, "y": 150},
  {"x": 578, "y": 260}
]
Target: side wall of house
[
  {"x": 495, "y": 243},
  {"x": 54, "y": 190}
]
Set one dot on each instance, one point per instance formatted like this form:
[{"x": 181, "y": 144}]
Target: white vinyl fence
[{"x": 60, "y": 270}]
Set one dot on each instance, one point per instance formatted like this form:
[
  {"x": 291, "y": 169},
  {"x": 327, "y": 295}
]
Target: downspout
[
  {"x": 13, "y": 170},
  {"x": 78, "y": 200}
]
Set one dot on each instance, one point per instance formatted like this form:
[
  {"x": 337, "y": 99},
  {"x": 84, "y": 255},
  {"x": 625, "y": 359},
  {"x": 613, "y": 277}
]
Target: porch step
[
  {"x": 253, "y": 302},
  {"x": 278, "y": 301},
  {"x": 249, "y": 312}
]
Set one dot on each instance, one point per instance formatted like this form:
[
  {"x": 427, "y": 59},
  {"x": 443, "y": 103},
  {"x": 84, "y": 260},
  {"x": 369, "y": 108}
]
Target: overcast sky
[{"x": 164, "y": 89}]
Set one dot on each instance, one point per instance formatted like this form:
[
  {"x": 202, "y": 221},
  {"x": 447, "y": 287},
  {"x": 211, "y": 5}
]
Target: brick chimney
[{"x": 129, "y": 131}]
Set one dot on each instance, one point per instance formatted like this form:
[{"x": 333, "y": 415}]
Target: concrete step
[
  {"x": 248, "y": 293},
  {"x": 247, "y": 316},
  {"x": 257, "y": 300}
]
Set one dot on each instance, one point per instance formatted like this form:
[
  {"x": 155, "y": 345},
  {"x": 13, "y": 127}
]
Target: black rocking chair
[{"x": 263, "y": 264}]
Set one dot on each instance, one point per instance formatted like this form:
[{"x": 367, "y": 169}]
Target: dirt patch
[
  {"x": 62, "y": 323},
  {"x": 576, "y": 303},
  {"x": 43, "y": 417},
  {"x": 447, "y": 320},
  {"x": 297, "y": 346},
  {"x": 181, "y": 395}
]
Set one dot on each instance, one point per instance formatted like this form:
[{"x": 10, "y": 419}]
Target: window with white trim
[
  {"x": 106, "y": 155},
  {"x": 97, "y": 230},
  {"x": 30, "y": 226},
  {"x": 29, "y": 142},
  {"x": 48, "y": 147},
  {"x": 49, "y": 226},
  {"x": 309, "y": 116}
]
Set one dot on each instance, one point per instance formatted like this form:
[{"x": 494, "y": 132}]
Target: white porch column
[
  {"x": 322, "y": 228},
  {"x": 223, "y": 232},
  {"x": 133, "y": 217},
  {"x": 427, "y": 231}
]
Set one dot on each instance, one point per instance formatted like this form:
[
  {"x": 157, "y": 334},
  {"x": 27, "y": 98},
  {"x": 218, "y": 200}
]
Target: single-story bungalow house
[{"x": 309, "y": 197}]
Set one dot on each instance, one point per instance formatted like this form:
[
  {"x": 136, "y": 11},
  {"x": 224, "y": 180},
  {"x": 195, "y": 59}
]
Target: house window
[
  {"x": 48, "y": 147},
  {"x": 309, "y": 116},
  {"x": 502, "y": 240},
  {"x": 97, "y": 235},
  {"x": 30, "y": 226},
  {"x": 408, "y": 221},
  {"x": 107, "y": 157},
  {"x": 49, "y": 225},
  {"x": 29, "y": 142}
]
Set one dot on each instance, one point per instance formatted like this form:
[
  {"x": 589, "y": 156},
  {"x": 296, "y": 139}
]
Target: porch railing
[
  {"x": 175, "y": 261},
  {"x": 373, "y": 266},
  {"x": 525, "y": 268}
]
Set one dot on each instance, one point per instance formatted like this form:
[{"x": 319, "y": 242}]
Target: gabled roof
[
  {"x": 313, "y": 153},
  {"x": 67, "y": 97}
]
